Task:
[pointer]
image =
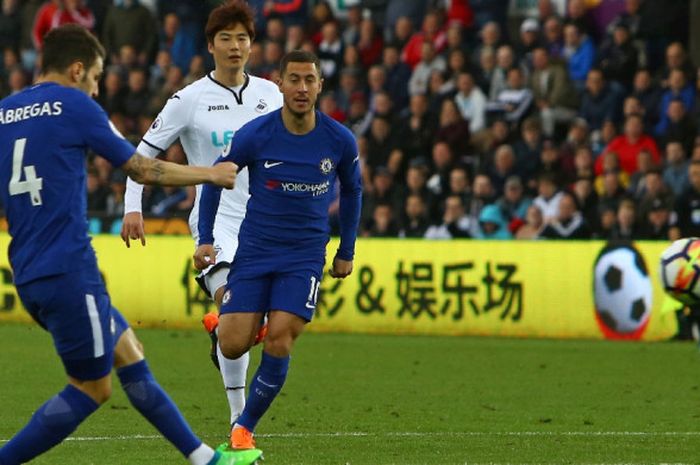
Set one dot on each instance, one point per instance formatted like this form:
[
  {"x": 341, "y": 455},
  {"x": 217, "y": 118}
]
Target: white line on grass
[{"x": 347, "y": 434}]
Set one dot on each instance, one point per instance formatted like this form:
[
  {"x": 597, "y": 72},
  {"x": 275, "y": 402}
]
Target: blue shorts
[
  {"x": 75, "y": 308},
  {"x": 257, "y": 284}
]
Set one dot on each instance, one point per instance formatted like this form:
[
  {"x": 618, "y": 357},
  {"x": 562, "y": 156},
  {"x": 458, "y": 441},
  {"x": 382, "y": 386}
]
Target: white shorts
[{"x": 225, "y": 245}]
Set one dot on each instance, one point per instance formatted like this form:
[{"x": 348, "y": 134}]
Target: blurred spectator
[
  {"x": 402, "y": 33},
  {"x": 137, "y": 96},
  {"x": 502, "y": 167},
  {"x": 492, "y": 224},
  {"x": 600, "y": 102},
  {"x": 174, "y": 81},
  {"x": 586, "y": 199},
  {"x": 328, "y": 105},
  {"x": 171, "y": 201},
  {"x": 579, "y": 53},
  {"x": 295, "y": 38},
  {"x": 548, "y": 196},
  {"x": 677, "y": 126},
  {"x": 529, "y": 39},
  {"x": 555, "y": 96},
  {"x": 397, "y": 76},
  {"x": 416, "y": 184},
  {"x": 54, "y": 13},
  {"x": 568, "y": 223},
  {"x": 482, "y": 194},
  {"x": 612, "y": 190},
  {"x": 675, "y": 173},
  {"x": 351, "y": 28},
  {"x": 369, "y": 44},
  {"x": 490, "y": 40},
  {"x": 648, "y": 93},
  {"x": 577, "y": 13},
  {"x": 130, "y": 23},
  {"x": 628, "y": 145},
  {"x": 654, "y": 189},
  {"x": 676, "y": 59},
  {"x": 417, "y": 129},
  {"x": 677, "y": 89},
  {"x": 514, "y": 203},
  {"x": 429, "y": 62},
  {"x": 455, "y": 223},
  {"x": 112, "y": 98},
  {"x": 514, "y": 101},
  {"x": 292, "y": 11},
  {"x": 431, "y": 31},
  {"x": 656, "y": 226},
  {"x": 330, "y": 53},
  {"x": 626, "y": 227},
  {"x": 159, "y": 70},
  {"x": 527, "y": 151},
  {"x": 381, "y": 145},
  {"x": 618, "y": 58},
  {"x": 196, "y": 70},
  {"x": 97, "y": 194},
  {"x": 533, "y": 226},
  {"x": 452, "y": 128},
  {"x": 471, "y": 102},
  {"x": 383, "y": 224},
  {"x": 687, "y": 206},
  {"x": 553, "y": 38},
  {"x": 415, "y": 222},
  {"x": 10, "y": 25},
  {"x": 443, "y": 162},
  {"x": 175, "y": 39},
  {"x": 382, "y": 190}
]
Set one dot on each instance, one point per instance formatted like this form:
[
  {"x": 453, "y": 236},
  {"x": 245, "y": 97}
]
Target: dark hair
[
  {"x": 230, "y": 13},
  {"x": 68, "y": 44},
  {"x": 299, "y": 56}
]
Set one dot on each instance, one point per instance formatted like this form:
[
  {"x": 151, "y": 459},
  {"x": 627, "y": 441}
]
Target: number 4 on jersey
[{"x": 31, "y": 185}]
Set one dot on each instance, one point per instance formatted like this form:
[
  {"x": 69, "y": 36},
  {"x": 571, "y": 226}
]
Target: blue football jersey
[
  {"x": 292, "y": 182},
  {"x": 44, "y": 133}
]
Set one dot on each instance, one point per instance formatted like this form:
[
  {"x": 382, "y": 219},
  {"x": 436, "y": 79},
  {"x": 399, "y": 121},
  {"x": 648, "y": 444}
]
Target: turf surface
[{"x": 356, "y": 399}]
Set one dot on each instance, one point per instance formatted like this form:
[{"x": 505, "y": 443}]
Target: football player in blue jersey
[
  {"x": 45, "y": 131},
  {"x": 294, "y": 157}
]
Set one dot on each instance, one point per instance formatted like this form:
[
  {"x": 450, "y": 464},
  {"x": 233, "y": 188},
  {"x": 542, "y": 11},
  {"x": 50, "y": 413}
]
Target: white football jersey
[{"x": 205, "y": 115}]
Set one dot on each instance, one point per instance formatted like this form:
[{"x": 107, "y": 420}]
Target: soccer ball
[
  {"x": 623, "y": 292},
  {"x": 680, "y": 270}
]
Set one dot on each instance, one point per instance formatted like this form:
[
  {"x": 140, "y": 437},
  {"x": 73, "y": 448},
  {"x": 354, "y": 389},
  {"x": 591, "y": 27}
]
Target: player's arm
[
  {"x": 146, "y": 170},
  {"x": 168, "y": 126},
  {"x": 209, "y": 201},
  {"x": 349, "y": 209}
]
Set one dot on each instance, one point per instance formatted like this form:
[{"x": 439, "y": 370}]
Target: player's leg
[
  {"x": 293, "y": 295},
  {"x": 149, "y": 398},
  {"x": 233, "y": 370},
  {"x": 68, "y": 306}
]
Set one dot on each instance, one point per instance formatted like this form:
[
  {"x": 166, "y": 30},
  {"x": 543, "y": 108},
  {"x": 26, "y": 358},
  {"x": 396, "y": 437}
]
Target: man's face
[
  {"x": 231, "y": 48},
  {"x": 89, "y": 81},
  {"x": 300, "y": 86}
]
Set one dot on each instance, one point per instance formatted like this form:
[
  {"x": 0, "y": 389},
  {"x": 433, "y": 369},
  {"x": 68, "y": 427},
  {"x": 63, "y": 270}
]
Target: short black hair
[
  {"x": 68, "y": 44},
  {"x": 299, "y": 56}
]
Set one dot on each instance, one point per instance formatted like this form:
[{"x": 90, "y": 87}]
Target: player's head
[
  {"x": 230, "y": 30},
  {"x": 73, "y": 51},
  {"x": 300, "y": 81}
]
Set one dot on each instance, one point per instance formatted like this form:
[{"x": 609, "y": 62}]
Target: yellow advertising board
[{"x": 459, "y": 287}]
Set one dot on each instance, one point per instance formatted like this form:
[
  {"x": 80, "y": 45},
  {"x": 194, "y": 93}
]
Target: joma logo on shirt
[{"x": 217, "y": 107}]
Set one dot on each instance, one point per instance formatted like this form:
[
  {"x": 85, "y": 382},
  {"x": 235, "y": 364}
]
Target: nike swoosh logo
[
  {"x": 356, "y": 159},
  {"x": 271, "y": 386},
  {"x": 271, "y": 164}
]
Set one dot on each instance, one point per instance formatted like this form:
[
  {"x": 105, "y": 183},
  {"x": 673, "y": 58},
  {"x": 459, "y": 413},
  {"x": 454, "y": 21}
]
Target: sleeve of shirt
[
  {"x": 101, "y": 135},
  {"x": 211, "y": 194},
  {"x": 350, "y": 198},
  {"x": 169, "y": 124}
]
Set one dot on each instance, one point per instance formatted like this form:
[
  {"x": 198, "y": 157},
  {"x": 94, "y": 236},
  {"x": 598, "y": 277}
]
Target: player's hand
[
  {"x": 132, "y": 228},
  {"x": 224, "y": 174},
  {"x": 341, "y": 268},
  {"x": 204, "y": 256}
]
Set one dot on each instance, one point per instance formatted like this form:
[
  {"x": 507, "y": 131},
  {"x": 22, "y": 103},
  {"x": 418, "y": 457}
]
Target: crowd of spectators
[{"x": 564, "y": 123}]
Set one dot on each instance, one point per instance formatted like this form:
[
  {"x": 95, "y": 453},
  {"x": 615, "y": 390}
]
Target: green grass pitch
[{"x": 367, "y": 399}]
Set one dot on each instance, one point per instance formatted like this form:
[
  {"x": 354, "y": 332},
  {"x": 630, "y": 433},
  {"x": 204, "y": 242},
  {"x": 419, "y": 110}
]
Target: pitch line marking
[{"x": 347, "y": 434}]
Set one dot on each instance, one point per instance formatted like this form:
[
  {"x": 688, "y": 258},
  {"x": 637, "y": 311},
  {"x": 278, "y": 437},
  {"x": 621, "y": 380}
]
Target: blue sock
[
  {"x": 266, "y": 384},
  {"x": 51, "y": 424},
  {"x": 155, "y": 405}
]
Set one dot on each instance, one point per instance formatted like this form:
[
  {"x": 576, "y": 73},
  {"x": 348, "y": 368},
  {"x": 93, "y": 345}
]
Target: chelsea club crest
[{"x": 326, "y": 165}]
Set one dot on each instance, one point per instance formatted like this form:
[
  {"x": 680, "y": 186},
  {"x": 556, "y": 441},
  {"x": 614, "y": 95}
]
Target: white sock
[
  {"x": 234, "y": 372},
  {"x": 202, "y": 455}
]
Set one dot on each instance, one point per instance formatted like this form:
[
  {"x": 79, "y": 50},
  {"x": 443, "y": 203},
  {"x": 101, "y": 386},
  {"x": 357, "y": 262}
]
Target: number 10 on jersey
[{"x": 31, "y": 185}]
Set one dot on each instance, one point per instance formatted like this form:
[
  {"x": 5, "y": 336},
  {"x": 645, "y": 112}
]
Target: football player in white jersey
[{"x": 204, "y": 116}]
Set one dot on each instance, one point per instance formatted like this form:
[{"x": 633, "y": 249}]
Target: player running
[
  {"x": 45, "y": 131},
  {"x": 294, "y": 156},
  {"x": 205, "y": 115}
]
